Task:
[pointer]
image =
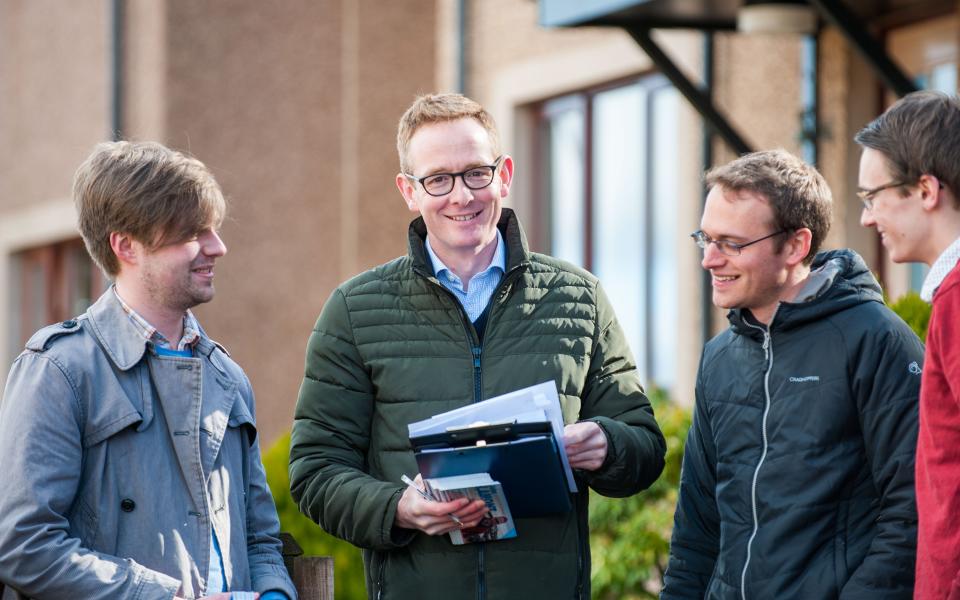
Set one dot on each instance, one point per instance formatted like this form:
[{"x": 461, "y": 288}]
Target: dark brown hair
[
  {"x": 797, "y": 193},
  {"x": 919, "y": 135}
]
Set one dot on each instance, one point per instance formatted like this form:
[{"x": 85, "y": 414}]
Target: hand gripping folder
[{"x": 524, "y": 457}]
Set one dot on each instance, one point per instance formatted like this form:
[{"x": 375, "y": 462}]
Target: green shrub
[
  {"x": 630, "y": 537},
  {"x": 347, "y": 563},
  {"x": 914, "y": 311}
]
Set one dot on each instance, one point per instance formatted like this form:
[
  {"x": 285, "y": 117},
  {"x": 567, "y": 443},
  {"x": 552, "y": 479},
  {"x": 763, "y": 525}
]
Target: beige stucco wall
[
  {"x": 294, "y": 107},
  {"x": 54, "y": 82}
]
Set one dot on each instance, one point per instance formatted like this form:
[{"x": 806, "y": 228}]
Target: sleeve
[
  {"x": 264, "y": 548},
  {"x": 41, "y": 551},
  {"x": 614, "y": 399},
  {"x": 886, "y": 391},
  {"x": 331, "y": 438},
  {"x": 695, "y": 542}
]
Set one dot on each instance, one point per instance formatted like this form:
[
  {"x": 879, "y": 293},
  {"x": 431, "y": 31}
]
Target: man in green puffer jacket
[{"x": 468, "y": 314}]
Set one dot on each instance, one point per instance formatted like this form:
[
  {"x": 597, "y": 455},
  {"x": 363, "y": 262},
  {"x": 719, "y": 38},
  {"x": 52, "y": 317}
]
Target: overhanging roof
[
  {"x": 714, "y": 14},
  {"x": 695, "y": 14}
]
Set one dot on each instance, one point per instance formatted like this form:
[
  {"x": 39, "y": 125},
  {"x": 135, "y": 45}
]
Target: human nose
[
  {"x": 213, "y": 244},
  {"x": 460, "y": 192},
  {"x": 712, "y": 257},
  {"x": 866, "y": 217}
]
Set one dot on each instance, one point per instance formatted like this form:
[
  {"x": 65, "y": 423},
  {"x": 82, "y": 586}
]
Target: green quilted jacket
[{"x": 393, "y": 346}]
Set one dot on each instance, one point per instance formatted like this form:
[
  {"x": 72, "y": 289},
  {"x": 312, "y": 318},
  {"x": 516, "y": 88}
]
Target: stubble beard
[{"x": 182, "y": 295}]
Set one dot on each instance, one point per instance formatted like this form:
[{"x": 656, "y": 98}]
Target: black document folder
[{"x": 523, "y": 457}]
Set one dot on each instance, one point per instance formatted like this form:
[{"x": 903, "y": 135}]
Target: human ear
[
  {"x": 506, "y": 175},
  {"x": 798, "y": 246},
  {"x": 126, "y": 249},
  {"x": 930, "y": 188},
  {"x": 408, "y": 191}
]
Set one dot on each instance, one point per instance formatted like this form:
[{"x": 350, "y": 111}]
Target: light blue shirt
[{"x": 480, "y": 287}]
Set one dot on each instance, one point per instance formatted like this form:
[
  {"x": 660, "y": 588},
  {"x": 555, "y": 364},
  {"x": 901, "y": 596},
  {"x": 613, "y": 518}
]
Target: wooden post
[{"x": 311, "y": 575}]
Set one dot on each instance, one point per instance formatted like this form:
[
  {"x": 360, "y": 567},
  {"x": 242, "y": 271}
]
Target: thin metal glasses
[
  {"x": 866, "y": 196},
  {"x": 475, "y": 178},
  {"x": 727, "y": 247}
]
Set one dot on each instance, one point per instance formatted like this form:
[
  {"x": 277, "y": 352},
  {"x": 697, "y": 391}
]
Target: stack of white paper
[{"x": 536, "y": 403}]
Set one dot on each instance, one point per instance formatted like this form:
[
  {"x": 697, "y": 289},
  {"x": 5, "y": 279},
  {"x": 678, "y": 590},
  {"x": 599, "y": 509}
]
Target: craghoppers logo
[{"x": 806, "y": 379}]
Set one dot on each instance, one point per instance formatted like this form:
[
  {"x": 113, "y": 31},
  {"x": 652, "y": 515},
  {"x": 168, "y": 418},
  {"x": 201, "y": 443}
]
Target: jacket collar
[
  {"x": 518, "y": 253},
  {"x": 838, "y": 280},
  {"x": 119, "y": 337}
]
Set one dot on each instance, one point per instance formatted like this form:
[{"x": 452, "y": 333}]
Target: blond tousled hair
[
  {"x": 437, "y": 108},
  {"x": 154, "y": 194}
]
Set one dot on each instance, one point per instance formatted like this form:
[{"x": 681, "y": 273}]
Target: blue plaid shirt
[{"x": 480, "y": 287}]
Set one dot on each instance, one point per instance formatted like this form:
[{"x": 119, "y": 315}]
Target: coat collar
[
  {"x": 119, "y": 337},
  {"x": 516, "y": 241}
]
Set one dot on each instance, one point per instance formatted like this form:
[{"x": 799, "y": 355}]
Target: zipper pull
[
  {"x": 476, "y": 357},
  {"x": 766, "y": 345}
]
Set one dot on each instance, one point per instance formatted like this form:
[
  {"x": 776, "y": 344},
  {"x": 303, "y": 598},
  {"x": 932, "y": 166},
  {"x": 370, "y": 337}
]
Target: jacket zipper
[
  {"x": 768, "y": 358},
  {"x": 383, "y": 563},
  {"x": 475, "y": 351},
  {"x": 581, "y": 538}
]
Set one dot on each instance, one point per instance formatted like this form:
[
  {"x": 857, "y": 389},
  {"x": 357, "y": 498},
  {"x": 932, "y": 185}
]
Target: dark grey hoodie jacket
[{"x": 797, "y": 477}]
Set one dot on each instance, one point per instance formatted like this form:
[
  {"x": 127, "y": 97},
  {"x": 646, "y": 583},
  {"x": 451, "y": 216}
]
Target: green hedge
[
  {"x": 914, "y": 311},
  {"x": 630, "y": 537},
  {"x": 347, "y": 563}
]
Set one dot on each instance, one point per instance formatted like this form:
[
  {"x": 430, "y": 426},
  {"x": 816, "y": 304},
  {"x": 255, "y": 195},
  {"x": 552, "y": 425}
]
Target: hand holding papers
[
  {"x": 420, "y": 510},
  {"x": 522, "y": 449},
  {"x": 426, "y": 496}
]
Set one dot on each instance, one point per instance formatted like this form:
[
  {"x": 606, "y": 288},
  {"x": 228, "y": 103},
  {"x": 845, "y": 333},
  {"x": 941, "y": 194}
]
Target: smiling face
[
  {"x": 757, "y": 279},
  {"x": 461, "y": 224},
  {"x": 179, "y": 276},
  {"x": 899, "y": 219}
]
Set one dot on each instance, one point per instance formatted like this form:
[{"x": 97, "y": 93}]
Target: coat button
[
  {"x": 69, "y": 324},
  {"x": 127, "y": 505}
]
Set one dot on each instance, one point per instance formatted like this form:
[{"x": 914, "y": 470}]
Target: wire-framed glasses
[{"x": 727, "y": 247}]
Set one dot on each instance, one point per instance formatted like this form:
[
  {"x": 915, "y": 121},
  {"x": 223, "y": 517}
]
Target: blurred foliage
[
  {"x": 347, "y": 561},
  {"x": 630, "y": 537},
  {"x": 914, "y": 311}
]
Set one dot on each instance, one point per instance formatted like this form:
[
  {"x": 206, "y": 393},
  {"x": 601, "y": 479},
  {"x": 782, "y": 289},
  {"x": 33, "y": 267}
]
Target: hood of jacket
[{"x": 839, "y": 279}]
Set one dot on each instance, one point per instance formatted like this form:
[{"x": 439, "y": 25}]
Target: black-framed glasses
[
  {"x": 866, "y": 195},
  {"x": 727, "y": 247},
  {"x": 475, "y": 178}
]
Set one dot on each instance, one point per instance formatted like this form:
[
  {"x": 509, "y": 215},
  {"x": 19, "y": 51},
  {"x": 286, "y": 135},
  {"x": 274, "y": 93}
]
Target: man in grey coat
[{"x": 130, "y": 458}]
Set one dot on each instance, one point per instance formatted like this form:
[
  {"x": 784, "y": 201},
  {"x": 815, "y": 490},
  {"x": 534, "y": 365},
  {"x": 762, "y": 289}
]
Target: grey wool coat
[{"x": 117, "y": 463}]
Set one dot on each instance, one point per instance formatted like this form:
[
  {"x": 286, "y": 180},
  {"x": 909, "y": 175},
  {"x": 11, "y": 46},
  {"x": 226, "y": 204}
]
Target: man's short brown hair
[
  {"x": 797, "y": 193},
  {"x": 145, "y": 190},
  {"x": 437, "y": 108},
  {"x": 919, "y": 135}
]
